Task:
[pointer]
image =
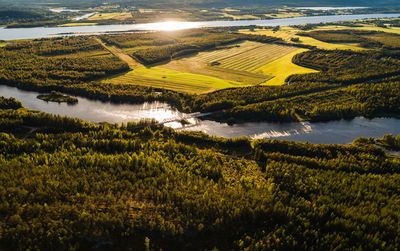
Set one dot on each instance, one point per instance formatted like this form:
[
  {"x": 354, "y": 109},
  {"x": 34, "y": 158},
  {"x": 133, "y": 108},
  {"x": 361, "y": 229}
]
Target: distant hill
[{"x": 216, "y": 3}]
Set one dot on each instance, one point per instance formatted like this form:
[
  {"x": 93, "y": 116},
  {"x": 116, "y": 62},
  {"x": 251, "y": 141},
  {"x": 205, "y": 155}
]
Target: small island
[{"x": 58, "y": 97}]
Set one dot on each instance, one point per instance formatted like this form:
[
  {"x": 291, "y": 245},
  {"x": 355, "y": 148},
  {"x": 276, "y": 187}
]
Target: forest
[
  {"x": 75, "y": 65},
  {"x": 77, "y": 185}
]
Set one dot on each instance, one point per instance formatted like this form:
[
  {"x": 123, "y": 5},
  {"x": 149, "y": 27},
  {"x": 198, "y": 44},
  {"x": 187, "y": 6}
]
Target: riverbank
[{"x": 333, "y": 132}]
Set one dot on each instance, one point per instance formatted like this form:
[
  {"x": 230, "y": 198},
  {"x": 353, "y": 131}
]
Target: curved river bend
[
  {"x": 334, "y": 132},
  {"x": 39, "y": 32}
]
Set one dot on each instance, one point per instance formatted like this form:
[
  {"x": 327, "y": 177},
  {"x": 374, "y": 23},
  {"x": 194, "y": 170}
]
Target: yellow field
[
  {"x": 283, "y": 68},
  {"x": 113, "y": 15},
  {"x": 159, "y": 77},
  {"x": 76, "y": 24},
  {"x": 249, "y": 56},
  {"x": 286, "y": 33},
  {"x": 242, "y": 64},
  {"x": 190, "y": 65}
]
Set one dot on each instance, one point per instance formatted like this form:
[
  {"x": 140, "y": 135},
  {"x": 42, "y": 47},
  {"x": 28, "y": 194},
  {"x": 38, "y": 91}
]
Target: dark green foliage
[
  {"x": 28, "y": 64},
  {"x": 58, "y": 97},
  {"x": 78, "y": 61},
  {"x": 370, "y": 100},
  {"x": 9, "y": 103},
  {"x": 76, "y": 185},
  {"x": 345, "y": 66},
  {"x": 390, "y": 142}
]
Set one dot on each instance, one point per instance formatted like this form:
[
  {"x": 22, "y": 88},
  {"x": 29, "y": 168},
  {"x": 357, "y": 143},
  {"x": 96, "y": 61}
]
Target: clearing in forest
[
  {"x": 237, "y": 65},
  {"x": 246, "y": 62}
]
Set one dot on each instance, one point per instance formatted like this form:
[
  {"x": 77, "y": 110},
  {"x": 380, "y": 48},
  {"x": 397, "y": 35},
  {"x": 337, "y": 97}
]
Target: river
[
  {"x": 39, "y": 32},
  {"x": 334, "y": 132}
]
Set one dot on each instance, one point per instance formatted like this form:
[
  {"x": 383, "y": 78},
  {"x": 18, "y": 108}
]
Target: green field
[
  {"x": 283, "y": 68},
  {"x": 248, "y": 57},
  {"x": 160, "y": 77},
  {"x": 241, "y": 64}
]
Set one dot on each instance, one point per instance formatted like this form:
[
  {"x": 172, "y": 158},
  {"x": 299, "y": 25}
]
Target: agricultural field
[
  {"x": 287, "y": 33},
  {"x": 159, "y": 77},
  {"x": 283, "y": 68},
  {"x": 235, "y": 65},
  {"x": 247, "y": 56},
  {"x": 114, "y": 15}
]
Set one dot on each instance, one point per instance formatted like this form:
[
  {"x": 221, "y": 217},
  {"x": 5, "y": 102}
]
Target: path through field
[{"x": 119, "y": 53}]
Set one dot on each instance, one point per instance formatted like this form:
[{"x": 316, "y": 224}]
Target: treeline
[
  {"x": 338, "y": 66},
  {"x": 13, "y": 15},
  {"x": 76, "y": 185},
  {"x": 78, "y": 62},
  {"x": 390, "y": 142},
  {"x": 56, "y": 46},
  {"x": 9, "y": 103},
  {"x": 369, "y": 100},
  {"x": 29, "y": 64},
  {"x": 337, "y": 69}
]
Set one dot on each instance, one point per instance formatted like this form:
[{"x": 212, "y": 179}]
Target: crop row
[
  {"x": 156, "y": 83},
  {"x": 255, "y": 59}
]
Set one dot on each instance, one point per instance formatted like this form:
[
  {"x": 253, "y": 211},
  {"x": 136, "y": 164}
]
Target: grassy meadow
[
  {"x": 239, "y": 64},
  {"x": 283, "y": 68},
  {"x": 236, "y": 65},
  {"x": 160, "y": 77}
]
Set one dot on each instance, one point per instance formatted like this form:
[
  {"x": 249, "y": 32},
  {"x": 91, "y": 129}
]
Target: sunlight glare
[{"x": 171, "y": 26}]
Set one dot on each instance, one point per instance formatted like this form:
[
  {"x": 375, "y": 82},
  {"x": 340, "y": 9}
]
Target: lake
[
  {"x": 39, "y": 32},
  {"x": 333, "y": 132}
]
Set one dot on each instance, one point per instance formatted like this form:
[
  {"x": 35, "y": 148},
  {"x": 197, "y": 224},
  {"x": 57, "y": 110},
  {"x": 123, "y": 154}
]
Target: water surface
[
  {"x": 39, "y": 32},
  {"x": 333, "y": 132}
]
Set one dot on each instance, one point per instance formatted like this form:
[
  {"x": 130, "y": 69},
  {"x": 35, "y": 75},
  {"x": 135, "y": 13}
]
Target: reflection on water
[
  {"x": 169, "y": 26},
  {"x": 334, "y": 132},
  {"x": 40, "y": 32},
  {"x": 59, "y": 10},
  {"x": 95, "y": 111}
]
